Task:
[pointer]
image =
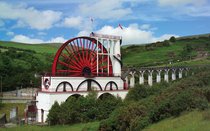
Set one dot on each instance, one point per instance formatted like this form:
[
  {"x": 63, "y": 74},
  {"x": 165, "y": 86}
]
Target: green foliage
[
  {"x": 18, "y": 66},
  {"x": 172, "y": 39},
  {"x": 143, "y": 91},
  {"x": 83, "y": 109},
  {"x": 54, "y": 114},
  {"x": 123, "y": 117},
  {"x": 174, "y": 105},
  {"x": 145, "y": 105},
  {"x": 156, "y": 54},
  {"x": 106, "y": 105}
]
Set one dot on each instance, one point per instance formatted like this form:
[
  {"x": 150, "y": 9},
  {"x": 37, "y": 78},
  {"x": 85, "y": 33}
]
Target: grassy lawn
[
  {"x": 193, "y": 121},
  {"x": 92, "y": 126},
  {"x": 7, "y": 107}
]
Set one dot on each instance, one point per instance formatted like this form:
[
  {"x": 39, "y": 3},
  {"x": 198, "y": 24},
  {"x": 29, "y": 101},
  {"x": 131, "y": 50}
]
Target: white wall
[
  {"x": 75, "y": 81},
  {"x": 46, "y": 99}
]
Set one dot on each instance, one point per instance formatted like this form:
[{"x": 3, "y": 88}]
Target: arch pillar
[
  {"x": 173, "y": 76},
  {"x": 141, "y": 77},
  {"x": 186, "y": 71},
  {"x": 180, "y": 73},
  {"x": 158, "y": 76},
  {"x": 132, "y": 79},
  {"x": 166, "y": 75},
  {"x": 150, "y": 82}
]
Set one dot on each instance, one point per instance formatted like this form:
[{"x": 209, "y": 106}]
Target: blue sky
[{"x": 143, "y": 21}]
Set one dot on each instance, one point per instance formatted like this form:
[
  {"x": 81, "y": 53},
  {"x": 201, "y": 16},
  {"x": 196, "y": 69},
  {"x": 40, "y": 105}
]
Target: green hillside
[
  {"x": 185, "y": 51},
  {"x": 39, "y": 48},
  {"x": 188, "y": 121},
  {"x": 18, "y": 60},
  {"x": 179, "y": 105},
  {"x": 180, "y": 52}
]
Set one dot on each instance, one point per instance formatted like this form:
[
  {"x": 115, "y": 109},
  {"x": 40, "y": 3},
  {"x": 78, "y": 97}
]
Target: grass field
[
  {"x": 92, "y": 126},
  {"x": 193, "y": 121}
]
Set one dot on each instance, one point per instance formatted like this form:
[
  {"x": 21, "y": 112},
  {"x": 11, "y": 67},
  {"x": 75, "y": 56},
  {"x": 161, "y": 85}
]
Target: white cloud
[
  {"x": 145, "y": 27},
  {"x": 196, "y": 11},
  {"x": 10, "y": 33},
  {"x": 84, "y": 33},
  {"x": 163, "y": 37},
  {"x": 195, "y": 8},
  {"x": 25, "y": 39},
  {"x": 79, "y": 23},
  {"x": 28, "y": 40},
  {"x": 29, "y": 16},
  {"x": 105, "y": 9},
  {"x": 57, "y": 40},
  {"x": 181, "y": 2},
  {"x": 133, "y": 34},
  {"x": 73, "y": 21}
]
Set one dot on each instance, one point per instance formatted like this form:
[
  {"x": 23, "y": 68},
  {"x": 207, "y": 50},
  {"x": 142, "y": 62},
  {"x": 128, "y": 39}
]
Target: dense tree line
[
  {"x": 83, "y": 109},
  {"x": 18, "y": 67}
]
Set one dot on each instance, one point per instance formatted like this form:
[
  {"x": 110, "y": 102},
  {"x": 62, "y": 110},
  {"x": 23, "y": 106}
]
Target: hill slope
[
  {"x": 182, "y": 51},
  {"x": 163, "y": 53},
  {"x": 191, "y": 121},
  {"x": 39, "y": 48},
  {"x": 18, "y": 61}
]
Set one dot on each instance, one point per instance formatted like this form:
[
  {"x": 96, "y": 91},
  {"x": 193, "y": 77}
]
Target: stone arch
[
  {"x": 105, "y": 95},
  {"x": 65, "y": 85},
  {"x": 89, "y": 84},
  {"x": 75, "y": 96},
  {"x": 111, "y": 87}
]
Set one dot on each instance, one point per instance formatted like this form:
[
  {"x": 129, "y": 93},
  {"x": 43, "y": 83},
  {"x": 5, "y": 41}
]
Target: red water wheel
[{"x": 78, "y": 57}]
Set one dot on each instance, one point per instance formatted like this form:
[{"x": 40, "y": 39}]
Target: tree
[
  {"x": 54, "y": 114},
  {"x": 172, "y": 39}
]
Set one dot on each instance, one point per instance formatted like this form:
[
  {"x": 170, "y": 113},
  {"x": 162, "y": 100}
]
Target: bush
[
  {"x": 172, "y": 39},
  {"x": 184, "y": 100},
  {"x": 54, "y": 114},
  {"x": 106, "y": 105},
  {"x": 83, "y": 109},
  {"x": 139, "y": 123},
  {"x": 145, "y": 105},
  {"x": 142, "y": 91},
  {"x": 123, "y": 117}
]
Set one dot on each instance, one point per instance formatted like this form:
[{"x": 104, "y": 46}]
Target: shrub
[
  {"x": 123, "y": 117},
  {"x": 54, "y": 114},
  {"x": 144, "y": 105},
  {"x": 139, "y": 123},
  {"x": 172, "y": 39},
  {"x": 106, "y": 105},
  {"x": 142, "y": 91},
  {"x": 184, "y": 100},
  {"x": 83, "y": 109}
]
